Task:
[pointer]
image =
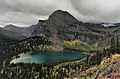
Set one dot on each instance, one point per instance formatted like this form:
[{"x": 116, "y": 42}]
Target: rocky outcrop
[
  {"x": 65, "y": 27},
  {"x": 112, "y": 71},
  {"x": 31, "y": 29}
]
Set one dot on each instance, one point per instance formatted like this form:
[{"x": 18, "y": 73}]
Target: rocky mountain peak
[
  {"x": 60, "y": 16},
  {"x": 20, "y": 31},
  {"x": 10, "y": 26}
]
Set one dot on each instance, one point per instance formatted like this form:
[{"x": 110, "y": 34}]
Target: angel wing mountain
[{"x": 61, "y": 25}]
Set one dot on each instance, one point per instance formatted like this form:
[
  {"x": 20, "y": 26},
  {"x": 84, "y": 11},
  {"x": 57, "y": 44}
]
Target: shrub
[
  {"x": 45, "y": 48},
  {"x": 115, "y": 56},
  {"x": 78, "y": 45}
]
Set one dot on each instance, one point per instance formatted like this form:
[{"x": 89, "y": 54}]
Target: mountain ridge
[{"x": 62, "y": 26}]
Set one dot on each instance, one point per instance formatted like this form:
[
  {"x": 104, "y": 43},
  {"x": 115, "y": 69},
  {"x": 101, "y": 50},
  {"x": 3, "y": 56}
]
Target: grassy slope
[
  {"x": 81, "y": 46},
  {"x": 106, "y": 69}
]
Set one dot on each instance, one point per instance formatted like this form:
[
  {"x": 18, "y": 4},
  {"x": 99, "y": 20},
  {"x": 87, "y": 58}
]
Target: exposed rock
[
  {"x": 106, "y": 72},
  {"x": 65, "y": 27},
  {"x": 31, "y": 29}
]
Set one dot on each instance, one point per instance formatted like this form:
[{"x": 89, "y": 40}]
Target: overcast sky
[{"x": 28, "y": 12}]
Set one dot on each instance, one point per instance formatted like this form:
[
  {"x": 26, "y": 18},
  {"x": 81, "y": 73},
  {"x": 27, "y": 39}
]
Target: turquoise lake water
[{"x": 48, "y": 57}]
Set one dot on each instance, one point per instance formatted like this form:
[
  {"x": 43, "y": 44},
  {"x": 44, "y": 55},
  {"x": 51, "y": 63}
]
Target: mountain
[
  {"x": 61, "y": 25},
  {"x": 21, "y": 30},
  {"x": 7, "y": 38},
  {"x": 11, "y": 34},
  {"x": 31, "y": 29}
]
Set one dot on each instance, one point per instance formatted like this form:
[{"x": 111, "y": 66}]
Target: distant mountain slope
[
  {"x": 11, "y": 34},
  {"x": 31, "y": 29},
  {"x": 20, "y": 30},
  {"x": 7, "y": 38}
]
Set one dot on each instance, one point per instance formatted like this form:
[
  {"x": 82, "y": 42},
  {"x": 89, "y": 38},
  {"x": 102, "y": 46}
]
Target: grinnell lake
[{"x": 48, "y": 57}]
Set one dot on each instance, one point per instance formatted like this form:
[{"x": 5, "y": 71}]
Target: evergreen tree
[
  {"x": 112, "y": 45},
  {"x": 117, "y": 45}
]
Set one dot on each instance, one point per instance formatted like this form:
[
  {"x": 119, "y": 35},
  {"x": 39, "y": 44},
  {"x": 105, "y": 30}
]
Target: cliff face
[
  {"x": 60, "y": 17},
  {"x": 63, "y": 26}
]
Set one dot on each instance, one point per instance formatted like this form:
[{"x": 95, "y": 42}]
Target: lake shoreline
[{"x": 55, "y": 57}]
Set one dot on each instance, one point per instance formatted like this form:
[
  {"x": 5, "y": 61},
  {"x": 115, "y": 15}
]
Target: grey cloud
[
  {"x": 27, "y": 6},
  {"x": 98, "y": 10},
  {"x": 27, "y": 12}
]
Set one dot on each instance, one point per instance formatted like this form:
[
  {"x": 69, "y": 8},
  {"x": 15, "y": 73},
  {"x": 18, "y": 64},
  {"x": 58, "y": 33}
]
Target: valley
[{"x": 72, "y": 48}]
